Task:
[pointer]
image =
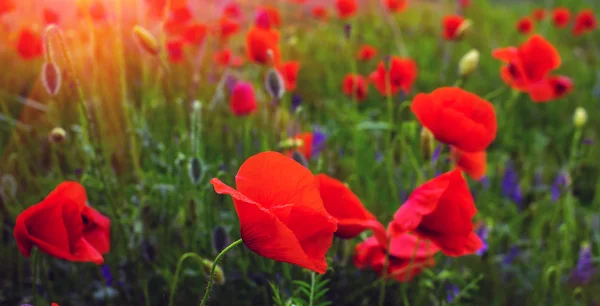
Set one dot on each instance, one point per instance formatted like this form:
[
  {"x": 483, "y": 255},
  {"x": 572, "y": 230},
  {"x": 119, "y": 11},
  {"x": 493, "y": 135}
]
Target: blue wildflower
[
  {"x": 296, "y": 101},
  {"x": 584, "y": 271},
  {"x": 510, "y": 184},
  {"x": 512, "y": 254},
  {"x": 347, "y": 30},
  {"x": 561, "y": 181},
  {"x": 318, "y": 142},
  {"x": 483, "y": 233},
  {"x": 107, "y": 274},
  {"x": 588, "y": 141},
  {"x": 452, "y": 292}
]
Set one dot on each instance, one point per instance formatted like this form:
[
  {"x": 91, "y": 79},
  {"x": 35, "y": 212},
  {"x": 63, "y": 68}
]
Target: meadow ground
[{"x": 144, "y": 103}]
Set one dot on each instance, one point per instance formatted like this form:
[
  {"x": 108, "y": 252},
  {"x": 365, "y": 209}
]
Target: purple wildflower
[
  {"x": 584, "y": 271},
  {"x": 512, "y": 254},
  {"x": 347, "y": 30},
  {"x": 559, "y": 183},
  {"x": 107, "y": 274},
  {"x": 510, "y": 184},
  {"x": 318, "y": 142},
  {"x": 452, "y": 292},
  {"x": 436, "y": 155},
  {"x": 588, "y": 141},
  {"x": 230, "y": 82},
  {"x": 483, "y": 232},
  {"x": 296, "y": 101}
]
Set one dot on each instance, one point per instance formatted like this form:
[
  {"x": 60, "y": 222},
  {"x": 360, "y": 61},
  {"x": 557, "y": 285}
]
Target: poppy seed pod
[
  {"x": 51, "y": 78},
  {"x": 427, "y": 143},
  {"x": 57, "y": 135},
  {"x": 580, "y": 117},
  {"x": 219, "y": 275},
  {"x": 274, "y": 84},
  {"x": 146, "y": 40},
  {"x": 468, "y": 63}
]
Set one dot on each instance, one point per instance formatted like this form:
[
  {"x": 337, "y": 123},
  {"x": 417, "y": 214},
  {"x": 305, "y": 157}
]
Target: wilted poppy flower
[
  {"x": 457, "y": 117},
  {"x": 63, "y": 226},
  {"x": 585, "y": 22},
  {"x": 346, "y": 8},
  {"x": 472, "y": 163},
  {"x": 243, "y": 100},
  {"x": 175, "y": 50},
  {"x": 525, "y": 25},
  {"x": 194, "y": 33},
  {"x": 228, "y": 27},
  {"x": 289, "y": 72},
  {"x": 98, "y": 11},
  {"x": 6, "y": 6},
  {"x": 402, "y": 74},
  {"x": 454, "y": 27},
  {"x": 232, "y": 10},
  {"x": 50, "y": 16},
  {"x": 539, "y": 14},
  {"x": 259, "y": 42},
  {"x": 29, "y": 44},
  {"x": 276, "y": 198},
  {"x": 441, "y": 210},
  {"x": 319, "y": 12},
  {"x": 226, "y": 58},
  {"x": 311, "y": 143},
  {"x": 366, "y": 53},
  {"x": 409, "y": 255},
  {"x": 561, "y": 17},
  {"x": 354, "y": 85},
  {"x": 342, "y": 204},
  {"x": 395, "y": 5}
]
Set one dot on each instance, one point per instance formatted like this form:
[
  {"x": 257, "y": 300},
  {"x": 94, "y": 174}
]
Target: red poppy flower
[
  {"x": 401, "y": 75},
  {"x": 98, "y": 11},
  {"x": 226, "y": 58},
  {"x": 243, "y": 100},
  {"x": 525, "y": 25},
  {"x": 319, "y": 12},
  {"x": 585, "y": 22},
  {"x": 354, "y": 85},
  {"x": 409, "y": 255},
  {"x": 472, "y": 163},
  {"x": 232, "y": 10},
  {"x": 289, "y": 72},
  {"x": 561, "y": 17},
  {"x": 366, "y": 53},
  {"x": 452, "y": 26},
  {"x": 441, "y": 210},
  {"x": 457, "y": 117},
  {"x": 29, "y": 44},
  {"x": 306, "y": 147},
  {"x": 464, "y": 3},
  {"x": 178, "y": 20},
  {"x": 258, "y": 43},
  {"x": 175, "y": 50},
  {"x": 342, "y": 204},
  {"x": 6, "y": 6},
  {"x": 194, "y": 33},
  {"x": 346, "y": 8},
  {"x": 50, "y": 16},
  {"x": 551, "y": 88},
  {"x": 63, "y": 226},
  {"x": 539, "y": 14},
  {"x": 273, "y": 18},
  {"x": 281, "y": 212},
  {"x": 395, "y": 5}
]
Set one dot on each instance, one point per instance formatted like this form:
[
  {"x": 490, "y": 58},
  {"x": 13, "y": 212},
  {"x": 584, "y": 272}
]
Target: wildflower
[
  {"x": 483, "y": 232},
  {"x": 296, "y": 102},
  {"x": 468, "y": 63},
  {"x": 525, "y": 25},
  {"x": 232, "y": 10},
  {"x": 289, "y": 71},
  {"x": 354, "y": 85},
  {"x": 268, "y": 17},
  {"x": 510, "y": 184},
  {"x": 585, "y": 22},
  {"x": 228, "y": 28},
  {"x": 580, "y": 117},
  {"x": 7, "y": 6},
  {"x": 512, "y": 254},
  {"x": 262, "y": 45},
  {"x": 98, "y": 11},
  {"x": 366, "y": 52},
  {"x": 178, "y": 20},
  {"x": 243, "y": 99},
  {"x": 29, "y": 44},
  {"x": 464, "y": 3},
  {"x": 539, "y": 14},
  {"x": 63, "y": 226},
  {"x": 401, "y": 74},
  {"x": 561, "y": 181},
  {"x": 108, "y": 278},
  {"x": 50, "y": 16},
  {"x": 346, "y": 8},
  {"x": 194, "y": 33},
  {"x": 319, "y": 12},
  {"x": 457, "y": 117},
  {"x": 452, "y": 292},
  {"x": 395, "y": 6},
  {"x": 441, "y": 210},
  {"x": 561, "y": 17},
  {"x": 311, "y": 144},
  {"x": 455, "y": 27},
  {"x": 472, "y": 163},
  {"x": 276, "y": 198},
  {"x": 175, "y": 50},
  {"x": 584, "y": 271}
]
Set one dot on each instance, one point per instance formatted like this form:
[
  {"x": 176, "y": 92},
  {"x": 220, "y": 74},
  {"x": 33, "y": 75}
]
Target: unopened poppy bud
[
  {"x": 195, "y": 170},
  {"x": 146, "y": 40},
  {"x": 274, "y": 84},
  {"x": 51, "y": 78},
  {"x": 427, "y": 143},
  {"x": 580, "y": 117},
  {"x": 299, "y": 157},
  {"x": 468, "y": 63},
  {"x": 219, "y": 276},
  {"x": 464, "y": 28},
  {"x": 57, "y": 135}
]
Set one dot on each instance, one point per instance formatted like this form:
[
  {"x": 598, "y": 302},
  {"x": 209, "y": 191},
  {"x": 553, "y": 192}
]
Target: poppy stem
[
  {"x": 383, "y": 284},
  {"x": 34, "y": 260},
  {"x": 214, "y": 266}
]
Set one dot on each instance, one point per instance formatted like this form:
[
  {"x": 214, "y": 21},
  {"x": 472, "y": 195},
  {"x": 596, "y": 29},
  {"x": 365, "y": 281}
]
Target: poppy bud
[
  {"x": 242, "y": 101},
  {"x": 580, "y": 117},
  {"x": 195, "y": 170},
  {"x": 274, "y": 84},
  {"x": 299, "y": 157},
  {"x": 468, "y": 63},
  {"x": 464, "y": 28},
  {"x": 57, "y": 135},
  {"x": 51, "y": 78},
  {"x": 291, "y": 143},
  {"x": 146, "y": 40},
  {"x": 219, "y": 276},
  {"x": 427, "y": 143}
]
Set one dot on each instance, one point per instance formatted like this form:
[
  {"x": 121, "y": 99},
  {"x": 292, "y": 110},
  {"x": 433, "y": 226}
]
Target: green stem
[
  {"x": 178, "y": 270},
  {"x": 312, "y": 289},
  {"x": 382, "y": 286},
  {"x": 214, "y": 266},
  {"x": 34, "y": 260}
]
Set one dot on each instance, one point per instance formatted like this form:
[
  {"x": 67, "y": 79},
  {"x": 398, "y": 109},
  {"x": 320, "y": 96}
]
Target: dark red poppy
[
  {"x": 50, "y": 16},
  {"x": 452, "y": 26},
  {"x": 29, "y": 44},
  {"x": 441, "y": 210},
  {"x": 195, "y": 33},
  {"x": 472, "y": 163},
  {"x": 551, "y": 88},
  {"x": 346, "y": 8},
  {"x": 342, "y": 204},
  {"x": 401, "y": 75},
  {"x": 63, "y": 226},
  {"x": 561, "y": 17},
  {"x": 409, "y": 255},
  {"x": 289, "y": 72},
  {"x": 585, "y": 22},
  {"x": 354, "y": 85},
  {"x": 228, "y": 27},
  {"x": 243, "y": 100},
  {"x": 232, "y": 10},
  {"x": 175, "y": 50},
  {"x": 366, "y": 52},
  {"x": 539, "y": 14},
  {"x": 259, "y": 42},
  {"x": 271, "y": 16},
  {"x": 226, "y": 58},
  {"x": 457, "y": 117},
  {"x": 395, "y": 5},
  {"x": 276, "y": 198},
  {"x": 525, "y": 25},
  {"x": 178, "y": 20},
  {"x": 6, "y": 6},
  {"x": 319, "y": 12},
  {"x": 98, "y": 11}
]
